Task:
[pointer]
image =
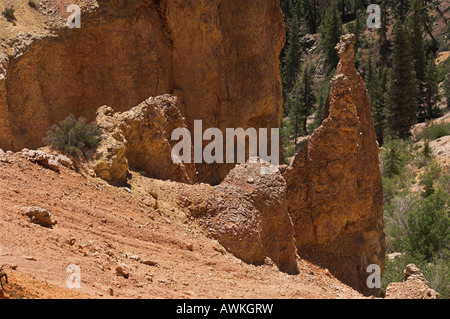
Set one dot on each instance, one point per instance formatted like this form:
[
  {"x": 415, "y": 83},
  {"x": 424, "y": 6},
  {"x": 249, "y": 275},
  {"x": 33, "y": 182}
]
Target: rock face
[
  {"x": 414, "y": 286},
  {"x": 140, "y": 139},
  {"x": 247, "y": 214},
  {"x": 334, "y": 184},
  {"x": 204, "y": 52}
]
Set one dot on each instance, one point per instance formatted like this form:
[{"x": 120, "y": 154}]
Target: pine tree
[
  {"x": 377, "y": 86},
  {"x": 382, "y": 32},
  {"x": 295, "y": 107},
  {"x": 431, "y": 89},
  {"x": 331, "y": 33},
  {"x": 302, "y": 102},
  {"x": 357, "y": 28},
  {"x": 310, "y": 14},
  {"x": 447, "y": 89},
  {"x": 291, "y": 62},
  {"x": 400, "y": 8},
  {"x": 416, "y": 39},
  {"x": 403, "y": 85},
  {"x": 307, "y": 96}
]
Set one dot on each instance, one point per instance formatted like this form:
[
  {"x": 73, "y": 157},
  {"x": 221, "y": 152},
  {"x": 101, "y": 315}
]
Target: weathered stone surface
[
  {"x": 40, "y": 216},
  {"x": 334, "y": 184},
  {"x": 247, "y": 214},
  {"x": 414, "y": 286},
  {"x": 140, "y": 139},
  {"x": 220, "y": 58},
  {"x": 43, "y": 159}
]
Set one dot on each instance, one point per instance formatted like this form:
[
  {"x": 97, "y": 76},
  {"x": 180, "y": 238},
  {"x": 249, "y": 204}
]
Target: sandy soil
[{"x": 100, "y": 227}]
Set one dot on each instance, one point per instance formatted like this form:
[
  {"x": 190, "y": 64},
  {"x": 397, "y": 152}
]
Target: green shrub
[
  {"x": 74, "y": 137},
  {"x": 427, "y": 151},
  {"x": 429, "y": 226},
  {"x": 396, "y": 214},
  {"x": 8, "y": 13},
  {"x": 434, "y": 131},
  {"x": 32, "y": 4},
  {"x": 436, "y": 272},
  {"x": 395, "y": 158},
  {"x": 429, "y": 177}
]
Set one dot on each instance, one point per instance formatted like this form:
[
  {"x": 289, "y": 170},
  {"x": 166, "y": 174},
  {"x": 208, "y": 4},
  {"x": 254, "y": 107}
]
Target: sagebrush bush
[
  {"x": 416, "y": 223},
  {"x": 8, "y": 13},
  {"x": 434, "y": 131},
  {"x": 429, "y": 225},
  {"x": 74, "y": 137}
]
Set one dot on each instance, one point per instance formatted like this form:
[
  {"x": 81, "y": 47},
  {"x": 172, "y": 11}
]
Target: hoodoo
[{"x": 335, "y": 196}]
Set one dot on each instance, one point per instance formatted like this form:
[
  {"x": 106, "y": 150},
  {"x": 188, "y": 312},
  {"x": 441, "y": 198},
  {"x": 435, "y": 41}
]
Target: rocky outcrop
[
  {"x": 40, "y": 216},
  {"x": 334, "y": 189},
  {"x": 50, "y": 161},
  {"x": 140, "y": 139},
  {"x": 247, "y": 214},
  {"x": 414, "y": 286},
  {"x": 204, "y": 52}
]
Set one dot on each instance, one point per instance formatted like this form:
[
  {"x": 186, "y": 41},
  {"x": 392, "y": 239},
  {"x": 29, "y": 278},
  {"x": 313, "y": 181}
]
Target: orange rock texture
[
  {"x": 334, "y": 185},
  {"x": 247, "y": 214},
  {"x": 220, "y": 58},
  {"x": 140, "y": 139}
]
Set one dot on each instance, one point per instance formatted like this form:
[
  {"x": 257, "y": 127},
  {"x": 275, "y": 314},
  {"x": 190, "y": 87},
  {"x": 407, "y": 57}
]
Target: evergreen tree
[
  {"x": 431, "y": 89},
  {"x": 382, "y": 32},
  {"x": 295, "y": 111},
  {"x": 377, "y": 86},
  {"x": 321, "y": 98},
  {"x": 400, "y": 9},
  {"x": 447, "y": 90},
  {"x": 307, "y": 96},
  {"x": 291, "y": 62},
  {"x": 331, "y": 33},
  {"x": 310, "y": 15},
  {"x": 416, "y": 40},
  {"x": 403, "y": 85},
  {"x": 285, "y": 7},
  {"x": 302, "y": 102},
  {"x": 357, "y": 28}
]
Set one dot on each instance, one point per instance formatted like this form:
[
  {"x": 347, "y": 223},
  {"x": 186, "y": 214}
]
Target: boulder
[
  {"x": 64, "y": 160},
  {"x": 123, "y": 271},
  {"x": 40, "y": 216},
  {"x": 140, "y": 139},
  {"x": 43, "y": 159},
  {"x": 247, "y": 214}
]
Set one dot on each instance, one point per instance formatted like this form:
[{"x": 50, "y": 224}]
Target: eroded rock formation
[
  {"x": 334, "y": 184},
  {"x": 247, "y": 214},
  {"x": 140, "y": 139},
  {"x": 414, "y": 286},
  {"x": 220, "y": 58}
]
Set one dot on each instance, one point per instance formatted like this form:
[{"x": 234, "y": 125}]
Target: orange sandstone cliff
[
  {"x": 215, "y": 61},
  {"x": 220, "y": 58}
]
